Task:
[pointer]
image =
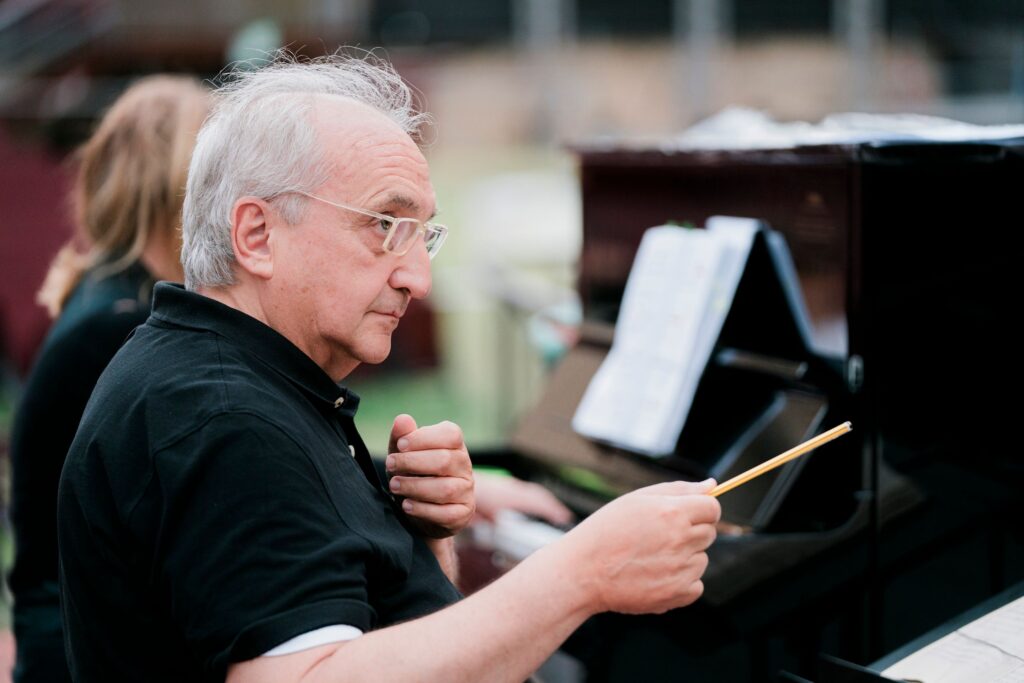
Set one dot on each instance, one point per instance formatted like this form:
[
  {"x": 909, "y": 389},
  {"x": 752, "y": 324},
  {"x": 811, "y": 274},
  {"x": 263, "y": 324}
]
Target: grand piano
[{"x": 906, "y": 255}]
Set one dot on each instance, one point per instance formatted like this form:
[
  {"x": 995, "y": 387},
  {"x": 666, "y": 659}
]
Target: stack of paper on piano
[
  {"x": 990, "y": 648},
  {"x": 678, "y": 294}
]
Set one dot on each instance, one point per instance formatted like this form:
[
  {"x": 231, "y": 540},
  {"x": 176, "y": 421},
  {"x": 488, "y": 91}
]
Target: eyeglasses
[{"x": 399, "y": 233}]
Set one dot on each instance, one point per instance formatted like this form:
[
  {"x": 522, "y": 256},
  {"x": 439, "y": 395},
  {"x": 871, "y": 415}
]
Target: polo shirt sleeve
[{"x": 250, "y": 548}]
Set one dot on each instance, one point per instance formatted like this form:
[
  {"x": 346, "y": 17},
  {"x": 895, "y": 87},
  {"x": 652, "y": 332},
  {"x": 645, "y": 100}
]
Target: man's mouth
[{"x": 396, "y": 310}]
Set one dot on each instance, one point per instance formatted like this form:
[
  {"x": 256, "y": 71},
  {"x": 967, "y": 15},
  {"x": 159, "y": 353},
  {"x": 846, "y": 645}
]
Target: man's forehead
[
  {"x": 371, "y": 157},
  {"x": 350, "y": 127},
  {"x": 340, "y": 113}
]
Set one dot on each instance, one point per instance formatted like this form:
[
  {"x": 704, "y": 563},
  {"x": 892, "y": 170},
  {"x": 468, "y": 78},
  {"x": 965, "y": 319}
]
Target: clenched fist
[{"x": 430, "y": 470}]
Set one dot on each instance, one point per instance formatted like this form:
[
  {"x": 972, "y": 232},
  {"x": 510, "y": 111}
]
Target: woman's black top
[{"x": 99, "y": 315}]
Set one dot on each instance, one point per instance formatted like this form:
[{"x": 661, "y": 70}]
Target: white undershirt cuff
[{"x": 321, "y": 636}]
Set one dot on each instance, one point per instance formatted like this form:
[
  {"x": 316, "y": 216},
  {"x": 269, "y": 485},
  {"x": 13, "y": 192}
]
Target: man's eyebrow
[{"x": 401, "y": 201}]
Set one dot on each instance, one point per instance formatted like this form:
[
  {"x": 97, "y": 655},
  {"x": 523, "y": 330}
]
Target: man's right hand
[{"x": 644, "y": 552}]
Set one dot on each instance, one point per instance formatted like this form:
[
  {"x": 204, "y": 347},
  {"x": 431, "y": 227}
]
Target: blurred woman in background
[{"x": 127, "y": 202}]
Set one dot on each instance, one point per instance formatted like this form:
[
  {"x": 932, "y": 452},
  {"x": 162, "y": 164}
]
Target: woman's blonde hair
[{"x": 130, "y": 181}]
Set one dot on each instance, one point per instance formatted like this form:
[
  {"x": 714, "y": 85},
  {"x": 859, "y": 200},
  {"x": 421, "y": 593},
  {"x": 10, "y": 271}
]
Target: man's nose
[{"x": 412, "y": 271}]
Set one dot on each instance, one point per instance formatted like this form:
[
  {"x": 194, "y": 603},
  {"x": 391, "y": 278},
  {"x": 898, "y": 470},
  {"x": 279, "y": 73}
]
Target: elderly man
[{"x": 219, "y": 513}]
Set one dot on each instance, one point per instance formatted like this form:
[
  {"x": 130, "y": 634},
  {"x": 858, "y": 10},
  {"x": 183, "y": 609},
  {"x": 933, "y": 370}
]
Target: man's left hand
[{"x": 430, "y": 469}]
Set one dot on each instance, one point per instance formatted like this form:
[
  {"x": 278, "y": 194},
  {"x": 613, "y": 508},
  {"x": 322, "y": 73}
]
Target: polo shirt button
[
  {"x": 339, "y": 402},
  {"x": 352, "y": 450}
]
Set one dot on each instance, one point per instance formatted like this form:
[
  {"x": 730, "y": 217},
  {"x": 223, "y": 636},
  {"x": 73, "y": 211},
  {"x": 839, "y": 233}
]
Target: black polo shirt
[{"x": 217, "y": 501}]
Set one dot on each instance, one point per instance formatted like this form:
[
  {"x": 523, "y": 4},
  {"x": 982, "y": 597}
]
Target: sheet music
[
  {"x": 990, "y": 648},
  {"x": 677, "y": 296}
]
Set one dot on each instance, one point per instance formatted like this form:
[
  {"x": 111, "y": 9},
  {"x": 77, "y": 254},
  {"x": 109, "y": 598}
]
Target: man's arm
[
  {"x": 641, "y": 553},
  {"x": 444, "y": 551}
]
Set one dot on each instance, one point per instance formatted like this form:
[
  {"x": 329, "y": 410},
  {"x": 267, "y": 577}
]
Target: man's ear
[{"x": 250, "y": 237}]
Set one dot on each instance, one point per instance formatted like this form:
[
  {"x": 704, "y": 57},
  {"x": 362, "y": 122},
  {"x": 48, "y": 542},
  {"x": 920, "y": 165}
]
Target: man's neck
[
  {"x": 249, "y": 302},
  {"x": 237, "y": 298}
]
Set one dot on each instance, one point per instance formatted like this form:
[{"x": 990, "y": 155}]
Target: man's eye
[{"x": 383, "y": 224}]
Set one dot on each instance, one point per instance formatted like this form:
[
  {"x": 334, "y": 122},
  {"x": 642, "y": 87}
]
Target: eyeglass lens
[{"x": 405, "y": 231}]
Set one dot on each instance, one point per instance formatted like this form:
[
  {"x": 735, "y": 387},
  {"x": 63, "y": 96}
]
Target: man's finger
[
  {"x": 446, "y": 516},
  {"x": 441, "y": 490},
  {"x": 430, "y": 463},
  {"x": 440, "y": 435},
  {"x": 702, "y": 509},
  {"x": 703, "y": 536},
  {"x": 402, "y": 426},
  {"x": 679, "y": 488}
]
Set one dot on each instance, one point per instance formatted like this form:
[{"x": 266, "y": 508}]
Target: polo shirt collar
[{"x": 174, "y": 305}]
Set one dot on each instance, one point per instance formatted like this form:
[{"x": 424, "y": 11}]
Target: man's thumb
[{"x": 403, "y": 425}]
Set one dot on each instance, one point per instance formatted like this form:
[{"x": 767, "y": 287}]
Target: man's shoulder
[{"x": 170, "y": 382}]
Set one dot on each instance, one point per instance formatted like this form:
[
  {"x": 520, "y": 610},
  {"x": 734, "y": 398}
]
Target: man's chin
[{"x": 375, "y": 356}]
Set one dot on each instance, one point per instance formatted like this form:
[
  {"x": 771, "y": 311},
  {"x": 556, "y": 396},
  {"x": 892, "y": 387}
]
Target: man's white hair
[{"x": 259, "y": 140}]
